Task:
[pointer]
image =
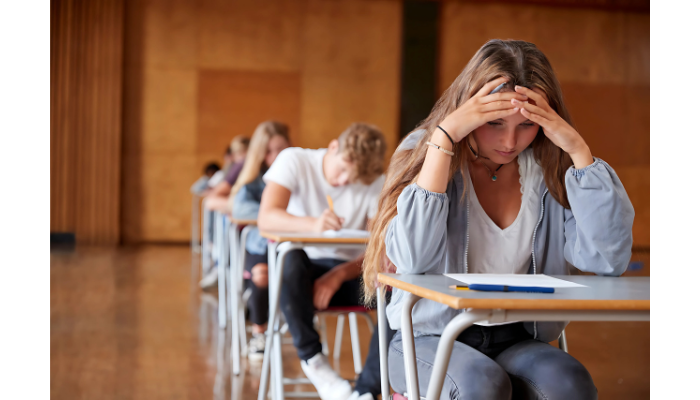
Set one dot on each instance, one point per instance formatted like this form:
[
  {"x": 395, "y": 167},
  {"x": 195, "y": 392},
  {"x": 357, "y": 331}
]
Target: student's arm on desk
[
  {"x": 328, "y": 284},
  {"x": 274, "y": 216}
]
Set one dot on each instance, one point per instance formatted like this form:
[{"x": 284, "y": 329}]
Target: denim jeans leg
[
  {"x": 470, "y": 374},
  {"x": 540, "y": 371}
]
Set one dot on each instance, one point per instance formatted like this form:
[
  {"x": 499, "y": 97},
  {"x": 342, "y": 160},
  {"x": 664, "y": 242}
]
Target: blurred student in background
[
  {"x": 295, "y": 200},
  {"x": 217, "y": 197},
  {"x": 201, "y": 186},
  {"x": 219, "y": 175},
  {"x": 269, "y": 139}
]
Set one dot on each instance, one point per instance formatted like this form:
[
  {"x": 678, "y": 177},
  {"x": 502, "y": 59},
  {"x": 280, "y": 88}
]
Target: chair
[{"x": 352, "y": 312}]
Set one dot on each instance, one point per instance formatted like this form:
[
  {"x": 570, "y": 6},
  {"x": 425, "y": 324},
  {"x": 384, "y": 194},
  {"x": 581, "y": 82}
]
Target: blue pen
[{"x": 505, "y": 288}]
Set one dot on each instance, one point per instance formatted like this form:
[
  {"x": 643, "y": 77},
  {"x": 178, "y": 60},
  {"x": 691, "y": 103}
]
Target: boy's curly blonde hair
[{"x": 364, "y": 145}]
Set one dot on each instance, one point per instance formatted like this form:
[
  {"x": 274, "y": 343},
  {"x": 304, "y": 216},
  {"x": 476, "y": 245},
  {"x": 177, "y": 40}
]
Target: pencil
[
  {"x": 330, "y": 202},
  {"x": 458, "y": 287}
]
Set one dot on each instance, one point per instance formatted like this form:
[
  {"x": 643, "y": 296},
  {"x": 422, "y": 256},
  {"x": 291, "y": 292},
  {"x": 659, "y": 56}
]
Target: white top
[
  {"x": 301, "y": 171},
  {"x": 494, "y": 250},
  {"x": 216, "y": 178}
]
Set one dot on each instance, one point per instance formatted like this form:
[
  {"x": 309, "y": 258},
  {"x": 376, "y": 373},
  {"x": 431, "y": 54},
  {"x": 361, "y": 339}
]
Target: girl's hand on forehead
[
  {"x": 480, "y": 109},
  {"x": 537, "y": 109}
]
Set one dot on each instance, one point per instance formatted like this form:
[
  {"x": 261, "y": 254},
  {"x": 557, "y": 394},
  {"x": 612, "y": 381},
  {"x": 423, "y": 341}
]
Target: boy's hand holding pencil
[{"x": 328, "y": 219}]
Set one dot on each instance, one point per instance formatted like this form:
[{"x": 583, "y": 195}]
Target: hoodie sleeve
[
  {"x": 416, "y": 237},
  {"x": 598, "y": 228}
]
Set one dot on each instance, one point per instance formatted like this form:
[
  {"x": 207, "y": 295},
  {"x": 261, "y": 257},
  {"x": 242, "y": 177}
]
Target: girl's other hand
[
  {"x": 557, "y": 130},
  {"x": 480, "y": 109}
]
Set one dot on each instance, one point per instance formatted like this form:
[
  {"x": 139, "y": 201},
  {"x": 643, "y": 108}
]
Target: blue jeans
[{"x": 499, "y": 362}]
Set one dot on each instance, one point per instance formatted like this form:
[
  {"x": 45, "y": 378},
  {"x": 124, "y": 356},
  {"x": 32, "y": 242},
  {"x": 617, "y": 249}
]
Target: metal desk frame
[
  {"x": 464, "y": 320},
  {"x": 272, "y": 359}
]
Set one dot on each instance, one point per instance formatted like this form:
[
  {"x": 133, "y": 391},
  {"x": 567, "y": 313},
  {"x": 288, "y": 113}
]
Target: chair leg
[
  {"x": 338, "y": 336},
  {"x": 355, "y": 340},
  {"x": 324, "y": 334},
  {"x": 562, "y": 342}
]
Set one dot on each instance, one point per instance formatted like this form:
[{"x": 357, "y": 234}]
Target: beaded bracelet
[{"x": 431, "y": 144}]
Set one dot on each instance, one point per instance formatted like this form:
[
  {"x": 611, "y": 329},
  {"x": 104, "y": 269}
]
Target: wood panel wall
[
  {"x": 86, "y": 93},
  {"x": 602, "y": 61},
  {"x": 317, "y": 65}
]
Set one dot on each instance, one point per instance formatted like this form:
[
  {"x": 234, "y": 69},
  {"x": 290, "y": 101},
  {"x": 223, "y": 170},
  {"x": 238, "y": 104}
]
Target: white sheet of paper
[
  {"x": 514, "y": 280},
  {"x": 346, "y": 233}
]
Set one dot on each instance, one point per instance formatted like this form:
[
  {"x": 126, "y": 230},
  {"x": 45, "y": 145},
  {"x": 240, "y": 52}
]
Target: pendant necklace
[{"x": 492, "y": 174}]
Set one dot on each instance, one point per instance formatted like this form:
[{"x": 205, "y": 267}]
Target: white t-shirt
[
  {"x": 301, "y": 171},
  {"x": 493, "y": 250}
]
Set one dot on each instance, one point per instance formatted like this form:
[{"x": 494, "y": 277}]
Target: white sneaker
[
  {"x": 256, "y": 347},
  {"x": 210, "y": 278},
  {"x": 356, "y": 396},
  {"x": 328, "y": 383}
]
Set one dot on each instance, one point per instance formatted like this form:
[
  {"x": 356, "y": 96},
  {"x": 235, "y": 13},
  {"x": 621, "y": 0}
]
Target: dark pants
[
  {"x": 496, "y": 362},
  {"x": 296, "y": 300},
  {"x": 258, "y": 308},
  {"x": 296, "y": 303}
]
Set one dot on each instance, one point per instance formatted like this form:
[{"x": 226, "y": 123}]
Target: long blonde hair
[
  {"x": 255, "y": 157},
  {"x": 525, "y": 65}
]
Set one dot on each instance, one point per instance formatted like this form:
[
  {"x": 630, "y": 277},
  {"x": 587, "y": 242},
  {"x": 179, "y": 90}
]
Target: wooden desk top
[
  {"x": 310, "y": 237},
  {"x": 243, "y": 221},
  {"x": 601, "y": 293}
]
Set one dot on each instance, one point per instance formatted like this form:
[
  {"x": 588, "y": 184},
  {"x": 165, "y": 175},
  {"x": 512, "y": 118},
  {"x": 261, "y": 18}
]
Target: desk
[
  {"x": 272, "y": 359},
  {"x": 603, "y": 299},
  {"x": 238, "y": 234}
]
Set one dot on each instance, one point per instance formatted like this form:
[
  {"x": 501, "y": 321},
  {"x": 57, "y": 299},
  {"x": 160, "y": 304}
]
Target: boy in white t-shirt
[{"x": 295, "y": 200}]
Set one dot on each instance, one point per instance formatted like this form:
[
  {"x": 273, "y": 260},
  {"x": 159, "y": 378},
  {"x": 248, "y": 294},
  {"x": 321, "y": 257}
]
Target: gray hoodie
[{"x": 429, "y": 236}]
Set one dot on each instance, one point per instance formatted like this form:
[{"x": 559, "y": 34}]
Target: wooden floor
[{"x": 130, "y": 323}]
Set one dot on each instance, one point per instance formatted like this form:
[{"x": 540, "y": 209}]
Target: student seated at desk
[
  {"x": 218, "y": 198},
  {"x": 201, "y": 186},
  {"x": 294, "y": 200},
  {"x": 521, "y": 194},
  {"x": 269, "y": 139}
]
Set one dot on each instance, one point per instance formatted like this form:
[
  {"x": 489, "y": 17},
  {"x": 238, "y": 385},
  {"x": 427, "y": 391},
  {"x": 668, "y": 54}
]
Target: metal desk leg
[
  {"x": 221, "y": 266},
  {"x": 276, "y": 367},
  {"x": 383, "y": 345},
  {"x": 194, "y": 243},
  {"x": 205, "y": 250},
  {"x": 235, "y": 294},
  {"x": 266, "y": 370},
  {"x": 444, "y": 350},
  {"x": 229, "y": 261},
  {"x": 409, "y": 349},
  {"x": 240, "y": 282}
]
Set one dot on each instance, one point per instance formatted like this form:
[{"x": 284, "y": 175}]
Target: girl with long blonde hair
[
  {"x": 497, "y": 180},
  {"x": 269, "y": 139}
]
